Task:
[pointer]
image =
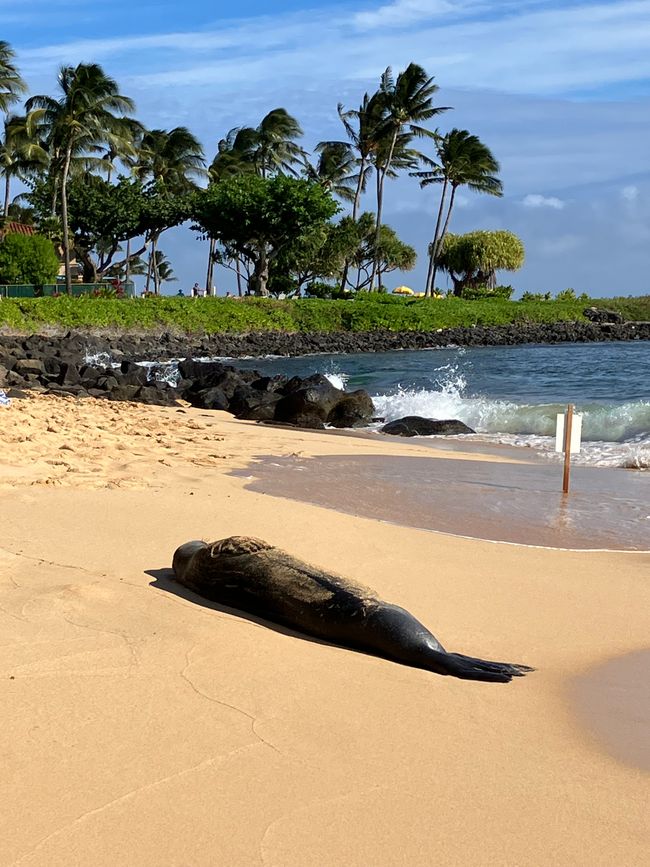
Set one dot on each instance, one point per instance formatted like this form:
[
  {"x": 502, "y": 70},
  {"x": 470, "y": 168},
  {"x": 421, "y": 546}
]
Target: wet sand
[{"x": 493, "y": 500}]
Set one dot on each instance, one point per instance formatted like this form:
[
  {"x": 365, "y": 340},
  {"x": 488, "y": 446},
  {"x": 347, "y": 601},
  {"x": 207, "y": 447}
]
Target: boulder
[
  {"x": 315, "y": 400},
  {"x": 416, "y": 426},
  {"x": 352, "y": 410},
  {"x": 251, "y": 403},
  {"x": 600, "y": 315},
  {"x": 210, "y": 398},
  {"x": 26, "y": 366},
  {"x": 68, "y": 374}
]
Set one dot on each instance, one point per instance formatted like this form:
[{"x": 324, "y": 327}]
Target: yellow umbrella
[{"x": 403, "y": 290}]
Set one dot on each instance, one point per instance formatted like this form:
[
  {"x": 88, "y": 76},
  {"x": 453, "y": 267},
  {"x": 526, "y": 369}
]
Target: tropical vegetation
[
  {"x": 371, "y": 312},
  {"x": 104, "y": 188}
]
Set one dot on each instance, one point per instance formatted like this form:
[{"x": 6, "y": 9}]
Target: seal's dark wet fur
[{"x": 256, "y": 577}]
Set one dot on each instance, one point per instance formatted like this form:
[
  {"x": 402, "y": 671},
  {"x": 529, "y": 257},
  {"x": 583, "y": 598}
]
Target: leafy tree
[
  {"x": 335, "y": 170},
  {"x": 28, "y": 259},
  {"x": 406, "y": 102},
  {"x": 171, "y": 159},
  {"x": 84, "y": 116},
  {"x": 102, "y": 215},
  {"x": 12, "y": 85},
  {"x": 361, "y": 126},
  {"x": 462, "y": 160},
  {"x": 257, "y": 217},
  {"x": 375, "y": 257},
  {"x": 319, "y": 255},
  {"x": 21, "y": 154},
  {"x": 473, "y": 259}
]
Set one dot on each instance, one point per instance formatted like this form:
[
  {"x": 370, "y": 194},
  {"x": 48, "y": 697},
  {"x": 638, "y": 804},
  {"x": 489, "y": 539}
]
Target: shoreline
[
  {"x": 160, "y": 344},
  {"x": 143, "y": 720}
]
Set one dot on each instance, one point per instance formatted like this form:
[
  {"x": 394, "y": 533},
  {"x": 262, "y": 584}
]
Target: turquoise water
[{"x": 507, "y": 394}]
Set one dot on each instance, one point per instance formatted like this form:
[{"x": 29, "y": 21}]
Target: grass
[{"x": 214, "y": 315}]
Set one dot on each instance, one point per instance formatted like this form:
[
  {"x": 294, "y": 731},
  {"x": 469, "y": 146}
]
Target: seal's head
[{"x": 182, "y": 557}]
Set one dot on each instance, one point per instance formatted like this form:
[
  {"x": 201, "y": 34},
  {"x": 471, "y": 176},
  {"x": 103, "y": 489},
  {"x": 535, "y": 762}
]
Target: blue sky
[{"x": 560, "y": 91}]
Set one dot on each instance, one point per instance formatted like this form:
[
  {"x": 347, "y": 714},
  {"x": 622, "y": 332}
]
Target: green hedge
[{"x": 212, "y": 315}]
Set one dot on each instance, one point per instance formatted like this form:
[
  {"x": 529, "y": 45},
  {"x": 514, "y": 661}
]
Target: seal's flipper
[{"x": 471, "y": 668}]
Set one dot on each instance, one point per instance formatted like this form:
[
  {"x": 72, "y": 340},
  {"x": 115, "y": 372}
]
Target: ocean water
[{"x": 509, "y": 395}]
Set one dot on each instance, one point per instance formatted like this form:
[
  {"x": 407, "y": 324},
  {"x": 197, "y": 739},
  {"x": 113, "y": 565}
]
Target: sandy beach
[{"x": 142, "y": 725}]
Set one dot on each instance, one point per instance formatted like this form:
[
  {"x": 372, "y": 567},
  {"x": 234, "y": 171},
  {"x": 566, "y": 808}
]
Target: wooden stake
[{"x": 568, "y": 423}]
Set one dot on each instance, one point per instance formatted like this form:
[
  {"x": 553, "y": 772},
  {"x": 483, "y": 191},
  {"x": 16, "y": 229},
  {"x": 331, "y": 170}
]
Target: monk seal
[{"x": 249, "y": 574}]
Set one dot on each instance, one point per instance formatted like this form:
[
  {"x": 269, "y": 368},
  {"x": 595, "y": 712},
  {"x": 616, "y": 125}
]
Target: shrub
[
  {"x": 28, "y": 259},
  {"x": 474, "y": 293}
]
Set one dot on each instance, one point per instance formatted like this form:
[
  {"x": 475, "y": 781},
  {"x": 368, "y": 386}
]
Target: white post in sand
[{"x": 568, "y": 432}]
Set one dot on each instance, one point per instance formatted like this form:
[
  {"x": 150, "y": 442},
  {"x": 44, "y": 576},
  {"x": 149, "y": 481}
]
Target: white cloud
[
  {"x": 534, "y": 46},
  {"x": 403, "y": 12},
  {"x": 534, "y": 200},
  {"x": 630, "y": 193}
]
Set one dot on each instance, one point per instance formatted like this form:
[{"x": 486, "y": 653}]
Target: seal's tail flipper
[{"x": 470, "y": 668}]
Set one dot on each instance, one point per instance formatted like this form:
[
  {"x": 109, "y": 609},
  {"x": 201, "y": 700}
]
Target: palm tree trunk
[
  {"x": 355, "y": 211},
  {"x": 64, "y": 219},
  {"x": 148, "y": 280},
  {"x": 381, "y": 177},
  {"x": 55, "y": 194},
  {"x": 210, "y": 274},
  {"x": 127, "y": 264},
  {"x": 7, "y": 189},
  {"x": 238, "y": 270},
  {"x": 429, "y": 288},
  {"x": 454, "y": 187},
  {"x": 156, "y": 275}
]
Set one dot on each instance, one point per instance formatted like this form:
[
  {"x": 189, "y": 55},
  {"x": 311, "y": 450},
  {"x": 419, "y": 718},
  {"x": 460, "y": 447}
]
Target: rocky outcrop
[
  {"x": 601, "y": 315},
  {"x": 67, "y": 367},
  {"x": 416, "y": 426},
  {"x": 166, "y": 346}
]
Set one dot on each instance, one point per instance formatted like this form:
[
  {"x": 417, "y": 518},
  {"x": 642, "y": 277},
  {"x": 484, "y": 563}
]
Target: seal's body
[{"x": 252, "y": 575}]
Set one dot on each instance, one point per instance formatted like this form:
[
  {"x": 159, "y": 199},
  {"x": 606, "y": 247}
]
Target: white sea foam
[{"x": 614, "y": 435}]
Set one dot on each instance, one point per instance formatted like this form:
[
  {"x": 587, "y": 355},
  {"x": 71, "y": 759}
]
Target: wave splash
[{"x": 613, "y": 434}]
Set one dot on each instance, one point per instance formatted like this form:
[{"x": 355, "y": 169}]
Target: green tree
[
  {"x": 375, "y": 257},
  {"x": 21, "y": 154},
  {"x": 257, "y": 218},
  {"x": 362, "y": 127},
  {"x": 102, "y": 215},
  {"x": 319, "y": 255},
  {"x": 335, "y": 170},
  {"x": 473, "y": 259},
  {"x": 172, "y": 159},
  {"x": 28, "y": 259},
  {"x": 462, "y": 160},
  {"x": 83, "y": 117},
  {"x": 12, "y": 86},
  {"x": 406, "y": 102}
]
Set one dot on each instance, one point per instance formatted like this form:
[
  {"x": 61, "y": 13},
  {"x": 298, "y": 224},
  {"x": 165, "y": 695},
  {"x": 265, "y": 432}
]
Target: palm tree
[
  {"x": 85, "y": 116},
  {"x": 361, "y": 126},
  {"x": 171, "y": 159},
  {"x": 462, "y": 160},
  {"x": 21, "y": 153},
  {"x": 335, "y": 170},
  {"x": 406, "y": 102},
  {"x": 267, "y": 149},
  {"x": 123, "y": 145},
  {"x": 12, "y": 86}
]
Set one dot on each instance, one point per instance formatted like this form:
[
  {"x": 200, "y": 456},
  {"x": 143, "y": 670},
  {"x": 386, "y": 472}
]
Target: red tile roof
[{"x": 10, "y": 227}]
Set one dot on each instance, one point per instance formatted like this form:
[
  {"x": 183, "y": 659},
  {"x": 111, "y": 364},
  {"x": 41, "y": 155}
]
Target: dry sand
[{"x": 141, "y": 727}]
